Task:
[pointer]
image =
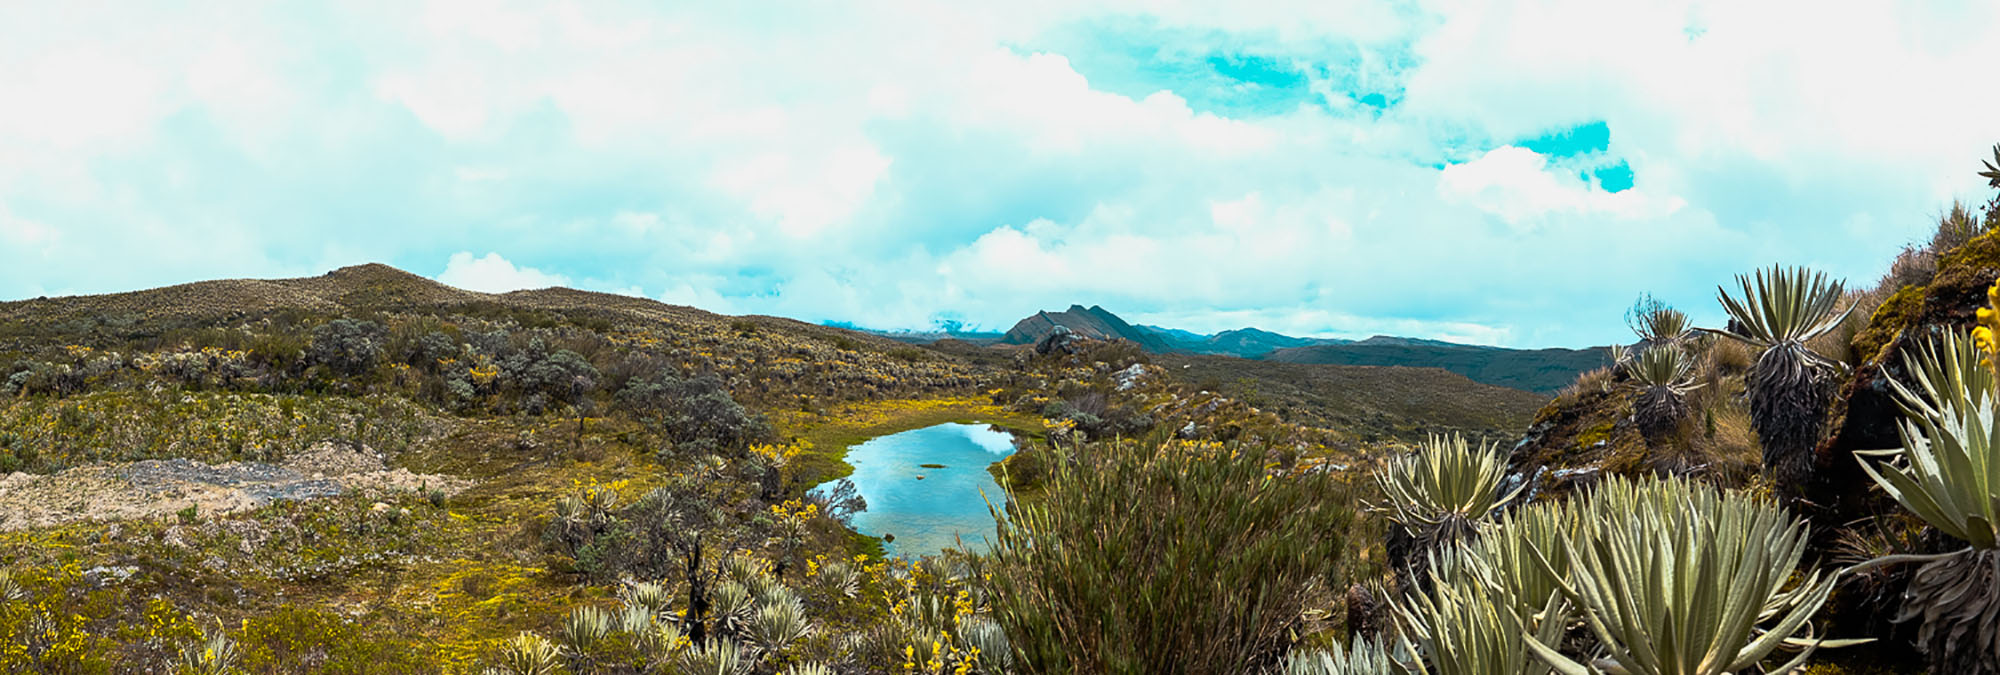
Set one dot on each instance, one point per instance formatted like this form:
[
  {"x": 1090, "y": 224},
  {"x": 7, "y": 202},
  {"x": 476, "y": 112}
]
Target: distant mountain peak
[{"x": 1092, "y": 322}]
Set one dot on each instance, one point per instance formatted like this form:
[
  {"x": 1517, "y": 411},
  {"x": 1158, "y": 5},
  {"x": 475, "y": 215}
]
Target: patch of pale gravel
[{"x": 155, "y": 488}]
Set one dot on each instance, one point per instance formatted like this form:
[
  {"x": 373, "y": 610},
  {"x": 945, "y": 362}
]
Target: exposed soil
[{"x": 155, "y": 488}]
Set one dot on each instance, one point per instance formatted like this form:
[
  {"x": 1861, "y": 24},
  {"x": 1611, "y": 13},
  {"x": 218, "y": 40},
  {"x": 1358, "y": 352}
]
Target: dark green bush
[
  {"x": 37, "y": 377},
  {"x": 1165, "y": 558},
  {"x": 347, "y": 346},
  {"x": 562, "y": 375},
  {"x": 694, "y": 414},
  {"x": 428, "y": 352}
]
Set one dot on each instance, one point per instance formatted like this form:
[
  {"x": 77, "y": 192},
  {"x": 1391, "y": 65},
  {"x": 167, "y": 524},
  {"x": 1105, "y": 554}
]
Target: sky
[{"x": 1506, "y": 173}]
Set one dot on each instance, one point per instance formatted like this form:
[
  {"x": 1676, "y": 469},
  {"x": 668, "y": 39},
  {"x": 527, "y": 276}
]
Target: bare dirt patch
[{"x": 155, "y": 488}]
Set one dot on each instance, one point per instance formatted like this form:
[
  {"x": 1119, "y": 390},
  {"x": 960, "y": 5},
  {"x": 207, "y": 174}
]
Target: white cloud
[
  {"x": 25, "y": 235},
  {"x": 494, "y": 274},
  {"x": 882, "y": 162},
  {"x": 1518, "y": 186}
]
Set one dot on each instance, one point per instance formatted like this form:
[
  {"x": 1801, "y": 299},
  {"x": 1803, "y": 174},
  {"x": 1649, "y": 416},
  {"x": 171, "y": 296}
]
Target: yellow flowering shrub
[
  {"x": 49, "y": 624},
  {"x": 1988, "y": 322}
]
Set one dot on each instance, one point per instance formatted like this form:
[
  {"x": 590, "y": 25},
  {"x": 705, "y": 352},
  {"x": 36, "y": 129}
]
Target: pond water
[{"x": 928, "y": 508}]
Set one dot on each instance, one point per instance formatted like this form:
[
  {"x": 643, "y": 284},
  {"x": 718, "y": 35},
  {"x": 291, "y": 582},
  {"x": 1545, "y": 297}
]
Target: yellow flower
[{"x": 1987, "y": 324}]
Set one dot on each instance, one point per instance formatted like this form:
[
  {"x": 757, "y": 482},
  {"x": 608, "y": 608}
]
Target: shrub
[
  {"x": 348, "y": 346},
  {"x": 675, "y": 531},
  {"x": 1164, "y": 558},
  {"x": 694, "y": 414},
  {"x": 560, "y": 376},
  {"x": 298, "y": 639},
  {"x": 1655, "y": 322},
  {"x": 429, "y": 352},
  {"x": 37, "y": 377}
]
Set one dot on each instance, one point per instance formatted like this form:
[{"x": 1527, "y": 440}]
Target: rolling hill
[
  {"x": 1247, "y": 343},
  {"x": 370, "y": 438},
  {"x": 1542, "y": 371},
  {"x": 1371, "y": 401}
]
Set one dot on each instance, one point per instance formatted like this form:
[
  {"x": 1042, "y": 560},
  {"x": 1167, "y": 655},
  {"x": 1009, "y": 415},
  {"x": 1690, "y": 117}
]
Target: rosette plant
[
  {"x": 1664, "y": 375},
  {"x": 1947, "y": 472},
  {"x": 1656, "y": 323},
  {"x": 1674, "y": 577},
  {"x": 1436, "y": 496},
  {"x": 1781, "y": 309},
  {"x": 1364, "y": 657}
]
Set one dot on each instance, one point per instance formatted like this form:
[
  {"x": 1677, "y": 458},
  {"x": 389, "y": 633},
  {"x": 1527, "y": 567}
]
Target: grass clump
[{"x": 1165, "y": 558}]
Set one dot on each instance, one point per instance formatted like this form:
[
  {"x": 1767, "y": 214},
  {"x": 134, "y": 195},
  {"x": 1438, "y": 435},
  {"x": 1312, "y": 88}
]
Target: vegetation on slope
[
  {"x": 591, "y": 436},
  {"x": 1542, "y": 371},
  {"x": 635, "y": 499},
  {"x": 1372, "y": 402}
]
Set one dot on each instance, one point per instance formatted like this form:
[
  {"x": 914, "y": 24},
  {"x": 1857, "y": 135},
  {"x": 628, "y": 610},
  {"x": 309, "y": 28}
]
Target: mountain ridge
[
  {"x": 1091, "y": 322},
  {"x": 1540, "y": 371}
]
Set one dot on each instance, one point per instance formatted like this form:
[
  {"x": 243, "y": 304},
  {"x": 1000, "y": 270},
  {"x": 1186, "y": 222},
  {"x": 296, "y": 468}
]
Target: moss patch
[{"x": 1895, "y": 314}]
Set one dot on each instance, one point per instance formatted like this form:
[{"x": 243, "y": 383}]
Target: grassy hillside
[
  {"x": 369, "y": 472},
  {"x": 1374, "y": 402},
  {"x": 1542, "y": 371}
]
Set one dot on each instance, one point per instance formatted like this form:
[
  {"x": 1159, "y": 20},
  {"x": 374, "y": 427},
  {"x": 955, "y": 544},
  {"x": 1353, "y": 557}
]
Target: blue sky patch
[
  {"x": 1582, "y": 139},
  {"x": 1590, "y": 144},
  {"x": 1211, "y": 71},
  {"x": 1614, "y": 178}
]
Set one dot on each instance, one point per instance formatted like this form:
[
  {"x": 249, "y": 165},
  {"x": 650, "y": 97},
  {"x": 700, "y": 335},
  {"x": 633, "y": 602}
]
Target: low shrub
[
  {"x": 694, "y": 415},
  {"x": 1165, "y": 558},
  {"x": 348, "y": 347}
]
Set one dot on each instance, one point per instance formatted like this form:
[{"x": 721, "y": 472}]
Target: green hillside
[
  {"x": 1375, "y": 402},
  {"x": 370, "y": 472},
  {"x": 1542, "y": 371}
]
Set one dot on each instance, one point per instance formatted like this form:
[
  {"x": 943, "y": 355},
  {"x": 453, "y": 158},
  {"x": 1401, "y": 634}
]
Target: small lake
[{"x": 929, "y": 514}]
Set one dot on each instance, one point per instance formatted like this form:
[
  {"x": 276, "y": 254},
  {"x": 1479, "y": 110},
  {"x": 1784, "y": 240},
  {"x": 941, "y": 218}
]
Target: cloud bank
[{"x": 1504, "y": 172}]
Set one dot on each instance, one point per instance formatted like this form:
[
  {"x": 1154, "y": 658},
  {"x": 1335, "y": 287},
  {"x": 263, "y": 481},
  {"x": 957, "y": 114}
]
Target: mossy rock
[
  {"x": 1864, "y": 414},
  {"x": 1578, "y": 438},
  {"x": 1889, "y": 320}
]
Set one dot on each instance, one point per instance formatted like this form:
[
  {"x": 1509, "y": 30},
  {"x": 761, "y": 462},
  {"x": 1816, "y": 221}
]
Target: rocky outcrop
[{"x": 1864, "y": 414}]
